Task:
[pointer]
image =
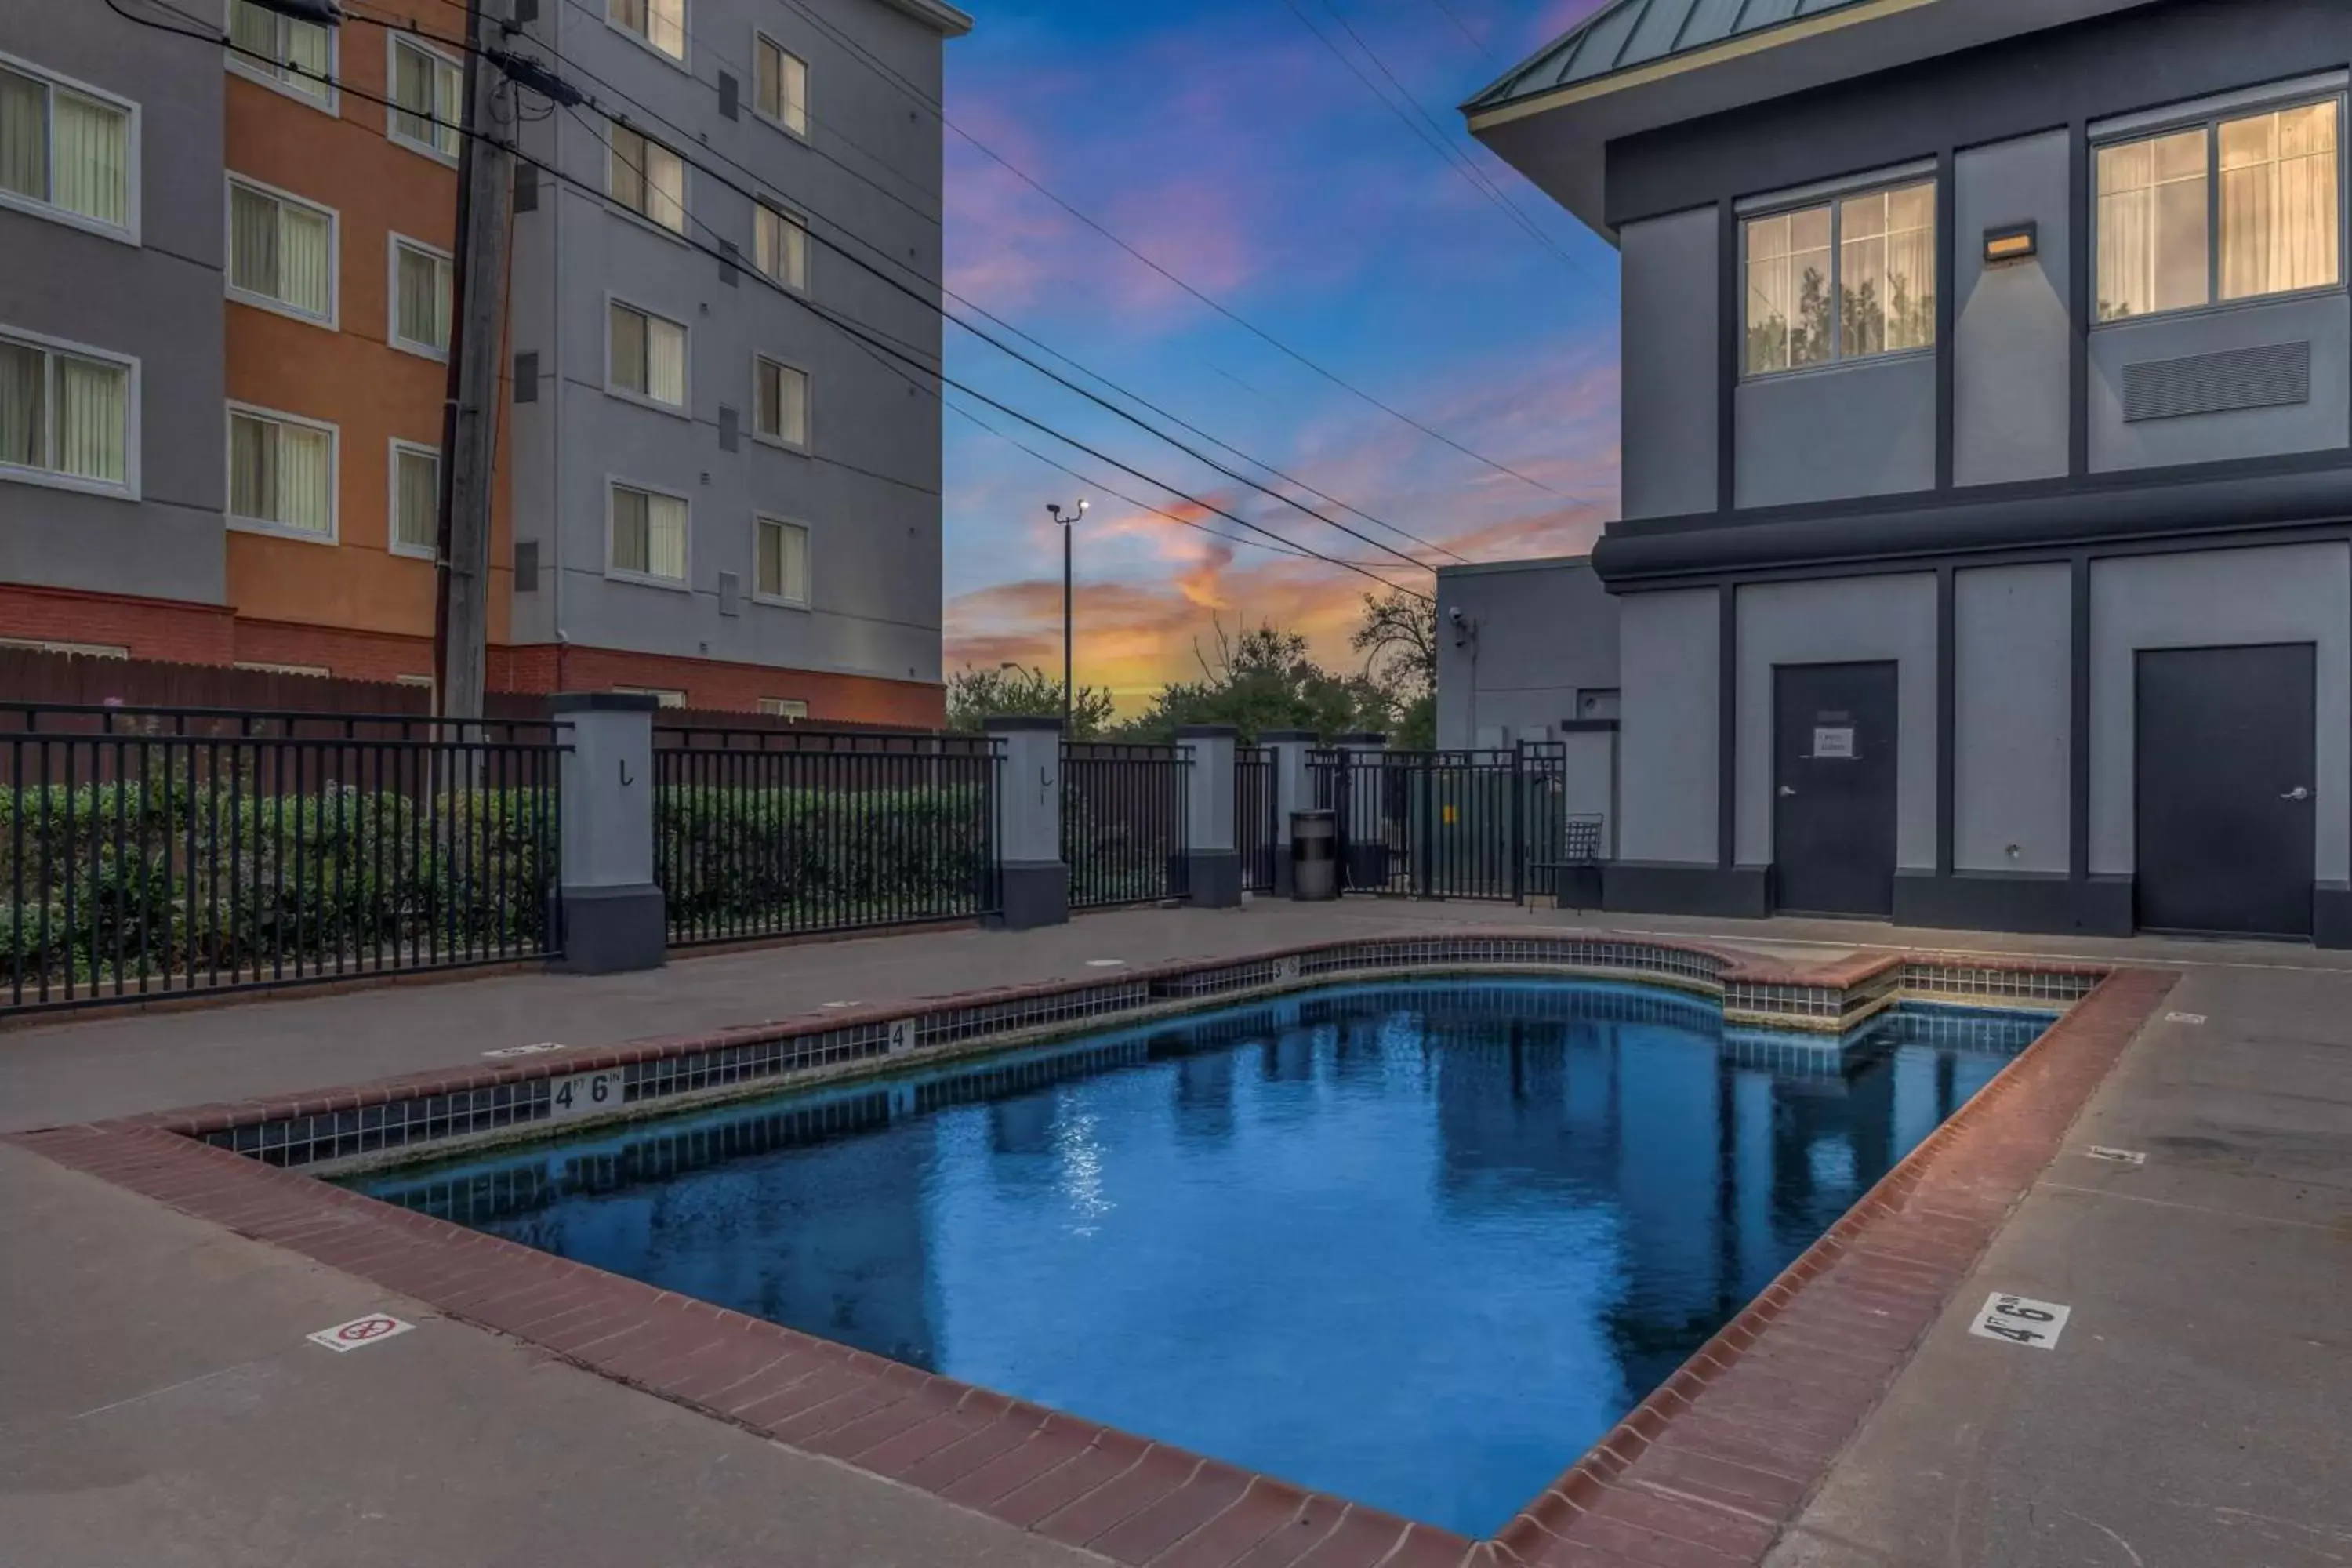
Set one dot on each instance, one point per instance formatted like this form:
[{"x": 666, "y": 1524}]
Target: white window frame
[
  {"x": 665, "y": 695},
  {"x": 1833, "y": 195},
  {"x": 808, "y": 556},
  {"x": 2210, "y": 115},
  {"x": 794, "y": 708},
  {"x": 684, "y": 190},
  {"x": 761, "y": 35},
  {"x": 682, "y": 410},
  {"x": 395, "y": 42},
  {"x": 792, "y": 215},
  {"x": 424, "y": 681},
  {"x": 265, "y": 667},
  {"x": 252, "y": 71},
  {"x": 262, "y": 525},
  {"x": 76, "y": 649},
  {"x": 393, "y": 243},
  {"x": 808, "y": 443},
  {"x": 646, "y": 579},
  {"x": 129, "y": 233},
  {"x": 684, "y": 62},
  {"x": 392, "y": 497},
  {"x": 332, "y": 320},
  {"x": 50, "y": 479}
]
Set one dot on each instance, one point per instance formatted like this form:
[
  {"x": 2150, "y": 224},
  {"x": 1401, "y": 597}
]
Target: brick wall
[
  {"x": 714, "y": 686},
  {"x": 166, "y": 629}
]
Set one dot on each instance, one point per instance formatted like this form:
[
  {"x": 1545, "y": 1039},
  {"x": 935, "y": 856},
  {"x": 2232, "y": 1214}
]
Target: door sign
[{"x": 1833, "y": 744}]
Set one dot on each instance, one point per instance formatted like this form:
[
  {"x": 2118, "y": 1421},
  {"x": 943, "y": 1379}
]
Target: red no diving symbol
[{"x": 366, "y": 1329}]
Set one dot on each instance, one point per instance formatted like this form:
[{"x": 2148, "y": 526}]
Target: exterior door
[
  {"x": 1833, "y": 731},
  {"x": 2224, "y": 783}
]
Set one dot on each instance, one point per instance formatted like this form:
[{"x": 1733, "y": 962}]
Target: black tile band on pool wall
[{"x": 1829, "y": 1004}]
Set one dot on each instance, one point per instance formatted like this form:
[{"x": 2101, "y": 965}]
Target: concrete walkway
[{"x": 161, "y": 1406}]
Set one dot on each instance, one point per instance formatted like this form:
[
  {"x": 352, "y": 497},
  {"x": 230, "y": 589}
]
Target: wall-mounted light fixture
[{"x": 2013, "y": 242}]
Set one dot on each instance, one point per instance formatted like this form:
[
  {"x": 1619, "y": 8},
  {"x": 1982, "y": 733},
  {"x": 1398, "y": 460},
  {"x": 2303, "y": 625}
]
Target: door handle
[
  {"x": 2297, "y": 793},
  {"x": 1787, "y": 791}
]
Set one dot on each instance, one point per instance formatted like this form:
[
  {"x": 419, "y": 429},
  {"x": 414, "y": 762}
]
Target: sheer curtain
[
  {"x": 629, "y": 530},
  {"x": 23, "y": 136},
  {"x": 665, "y": 361},
  {"x": 626, "y": 169},
  {"x": 666, "y": 29},
  {"x": 664, "y": 187},
  {"x": 412, "y": 89},
  {"x": 93, "y": 419},
  {"x": 24, "y": 415},
  {"x": 307, "y": 50},
  {"x": 252, "y": 469},
  {"x": 306, "y": 468},
  {"x": 306, "y": 246},
  {"x": 416, "y": 485},
  {"x": 92, "y": 166},
  {"x": 792, "y": 575},
  {"x": 793, "y": 411},
  {"x": 2279, "y": 203},
  {"x": 424, "y": 302},
  {"x": 628, "y": 349},
  {"x": 252, "y": 241},
  {"x": 665, "y": 537}
]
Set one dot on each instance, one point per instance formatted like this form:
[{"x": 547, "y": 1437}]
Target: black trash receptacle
[{"x": 1314, "y": 856}]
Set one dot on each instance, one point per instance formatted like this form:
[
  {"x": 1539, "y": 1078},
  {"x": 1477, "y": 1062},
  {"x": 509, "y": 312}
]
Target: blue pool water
[{"x": 1419, "y": 1245}]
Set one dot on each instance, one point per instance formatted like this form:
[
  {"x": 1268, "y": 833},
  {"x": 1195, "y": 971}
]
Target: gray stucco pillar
[
  {"x": 1034, "y": 880},
  {"x": 1367, "y": 865},
  {"x": 1293, "y": 790},
  {"x": 612, "y": 914},
  {"x": 1214, "y": 870}
]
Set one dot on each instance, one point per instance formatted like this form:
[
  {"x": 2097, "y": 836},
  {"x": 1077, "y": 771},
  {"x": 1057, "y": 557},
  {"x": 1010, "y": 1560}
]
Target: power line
[
  {"x": 883, "y": 68},
  {"x": 938, "y": 284},
  {"x": 1464, "y": 27}
]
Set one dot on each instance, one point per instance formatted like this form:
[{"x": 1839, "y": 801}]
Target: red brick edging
[{"x": 1704, "y": 1472}]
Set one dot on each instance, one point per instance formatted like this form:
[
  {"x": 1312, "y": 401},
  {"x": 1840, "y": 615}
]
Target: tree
[
  {"x": 1263, "y": 680},
  {"x": 976, "y": 696},
  {"x": 1398, "y": 638}
]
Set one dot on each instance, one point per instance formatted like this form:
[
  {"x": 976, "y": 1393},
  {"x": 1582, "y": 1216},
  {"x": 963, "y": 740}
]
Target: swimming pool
[{"x": 1417, "y": 1243}]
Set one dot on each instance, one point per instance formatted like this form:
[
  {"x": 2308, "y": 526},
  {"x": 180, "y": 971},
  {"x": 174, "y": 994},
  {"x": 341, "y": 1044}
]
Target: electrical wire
[
  {"x": 855, "y": 330},
  {"x": 1464, "y": 29}
]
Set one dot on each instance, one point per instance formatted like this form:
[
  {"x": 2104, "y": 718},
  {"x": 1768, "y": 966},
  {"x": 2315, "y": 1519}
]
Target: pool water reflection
[{"x": 1419, "y": 1243}]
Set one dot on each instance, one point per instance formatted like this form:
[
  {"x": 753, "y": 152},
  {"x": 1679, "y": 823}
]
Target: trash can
[{"x": 1314, "y": 856}]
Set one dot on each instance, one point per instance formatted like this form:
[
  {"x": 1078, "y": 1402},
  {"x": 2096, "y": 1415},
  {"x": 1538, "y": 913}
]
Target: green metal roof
[{"x": 1625, "y": 34}]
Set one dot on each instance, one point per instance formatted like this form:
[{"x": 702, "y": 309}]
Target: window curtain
[
  {"x": 780, "y": 247},
  {"x": 93, "y": 419},
  {"x": 424, "y": 301},
  {"x": 412, "y": 89},
  {"x": 628, "y": 349},
  {"x": 306, "y": 462},
  {"x": 783, "y": 86},
  {"x": 768, "y": 570},
  {"x": 1911, "y": 267},
  {"x": 306, "y": 260},
  {"x": 92, "y": 159},
  {"x": 665, "y": 537},
  {"x": 665, "y": 361},
  {"x": 417, "y": 499},
  {"x": 251, "y": 27},
  {"x": 666, "y": 29},
  {"x": 626, "y": 169},
  {"x": 252, "y": 241},
  {"x": 791, "y": 414},
  {"x": 307, "y": 53},
  {"x": 252, "y": 469},
  {"x": 449, "y": 104},
  {"x": 23, "y": 136},
  {"x": 2279, "y": 216},
  {"x": 665, "y": 180},
  {"x": 629, "y": 530},
  {"x": 793, "y": 565},
  {"x": 24, "y": 418}
]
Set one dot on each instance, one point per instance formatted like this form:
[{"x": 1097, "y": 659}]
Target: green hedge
[
  {"x": 171, "y": 877},
  {"x": 750, "y": 860}
]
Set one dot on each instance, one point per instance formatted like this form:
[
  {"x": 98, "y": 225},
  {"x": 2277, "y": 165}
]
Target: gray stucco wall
[
  {"x": 2325, "y": 322},
  {"x": 1846, "y": 620},
  {"x": 1668, "y": 647},
  {"x": 1863, "y": 428},
  {"x": 2010, "y": 343},
  {"x": 869, "y": 488},
  {"x": 1670, "y": 314},
  {"x": 158, "y": 300},
  {"x": 1541, "y": 631},
  {"x": 2012, "y": 744},
  {"x": 2291, "y": 593}
]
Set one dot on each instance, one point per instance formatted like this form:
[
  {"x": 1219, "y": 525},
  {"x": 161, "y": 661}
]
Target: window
[
  {"x": 420, "y": 298},
  {"x": 1845, "y": 280},
  {"x": 784, "y": 86},
  {"x": 295, "y": 57},
  {"x": 282, "y": 252},
  {"x": 415, "y": 499},
  {"x": 648, "y": 178},
  {"x": 77, "y": 650},
  {"x": 784, "y": 707},
  {"x": 66, "y": 415},
  {"x": 660, "y": 24},
  {"x": 648, "y": 534},
  {"x": 2171, "y": 237},
  {"x": 65, "y": 153},
  {"x": 780, "y": 246},
  {"x": 648, "y": 357},
  {"x": 428, "y": 99},
  {"x": 780, "y": 567},
  {"x": 317, "y": 671},
  {"x": 282, "y": 474},
  {"x": 666, "y": 696},
  {"x": 779, "y": 403},
  {"x": 423, "y": 680}
]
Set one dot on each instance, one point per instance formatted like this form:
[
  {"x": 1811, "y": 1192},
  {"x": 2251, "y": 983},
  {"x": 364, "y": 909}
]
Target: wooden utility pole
[{"x": 469, "y": 425}]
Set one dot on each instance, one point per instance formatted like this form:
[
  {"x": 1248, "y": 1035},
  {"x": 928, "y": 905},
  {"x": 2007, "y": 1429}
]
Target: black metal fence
[
  {"x": 762, "y": 833},
  {"x": 1123, "y": 824},
  {"x": 156, "y": 851},
  {"x": 1447, "y": 825},
  {"x": 1255, "y": 834}
]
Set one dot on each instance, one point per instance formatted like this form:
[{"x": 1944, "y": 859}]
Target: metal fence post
[
  {"x": 1213, "y": 872},
  {"x": 1032, "y": 878},
  {"x": 1518, "y": 822},
  {"x": 1364, "y": 864},
  {"x": 613, "y": 917}
]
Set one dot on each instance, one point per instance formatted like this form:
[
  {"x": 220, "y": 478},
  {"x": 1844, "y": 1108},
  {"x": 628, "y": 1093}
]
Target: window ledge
[
  {"x": 647, "y": 580},
  {"x": 1858, "y": 362},
  {"x": 2220, "y": 308},
  {"x": 641, "y": 41},
  {"x": 280, "y": 531},
  {"x": 765, "y": 118},
  {"x": 48, "y": 479},
  {"x": 331, "y": 106},
  {"x": 50, "y": 212},
  {"x": 327, "y": 322},
  {"x": 776, "y": 603},
  {"x": 413, "y": 552},
  {"x": 422, "y": 149},
  {"x": 675, "y": 410},
  {"x": 649, "y": 226},
  {"x": 421, "y": 350},
  {"x": 777, "y": 443}
]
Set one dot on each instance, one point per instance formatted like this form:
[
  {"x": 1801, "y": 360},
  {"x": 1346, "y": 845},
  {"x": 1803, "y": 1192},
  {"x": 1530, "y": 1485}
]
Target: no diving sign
[{"x": 360, "y": 1332}]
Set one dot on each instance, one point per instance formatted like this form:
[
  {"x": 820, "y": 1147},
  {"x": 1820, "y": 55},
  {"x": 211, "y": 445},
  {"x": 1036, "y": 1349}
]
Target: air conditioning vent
[{"x": 2276, "y": 376}]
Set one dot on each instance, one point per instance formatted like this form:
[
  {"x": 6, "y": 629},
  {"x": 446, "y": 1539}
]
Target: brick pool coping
[{"x": 1703, "y": 1471}]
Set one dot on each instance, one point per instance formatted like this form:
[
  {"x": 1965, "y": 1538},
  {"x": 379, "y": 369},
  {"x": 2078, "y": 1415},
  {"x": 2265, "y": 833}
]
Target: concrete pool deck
[{"x": 170, "y": 1412}]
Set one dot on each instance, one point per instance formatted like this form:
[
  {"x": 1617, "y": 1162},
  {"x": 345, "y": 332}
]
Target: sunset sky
[{"x": 1225, "y": 141}]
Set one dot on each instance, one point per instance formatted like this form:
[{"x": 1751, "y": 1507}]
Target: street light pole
[{"x": 1069, "y": 642}]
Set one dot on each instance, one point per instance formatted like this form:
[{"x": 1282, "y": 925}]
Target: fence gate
[
  {"x": 1123, "y": 827},
  {"x": 1255, "y": 834},
  {"x": 1447, "y": 825}
]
